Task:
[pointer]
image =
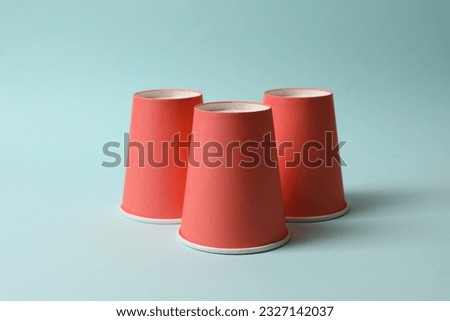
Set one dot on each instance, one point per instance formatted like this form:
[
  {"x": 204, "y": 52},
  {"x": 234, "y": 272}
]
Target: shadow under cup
[{"x": 232, "y": 202}]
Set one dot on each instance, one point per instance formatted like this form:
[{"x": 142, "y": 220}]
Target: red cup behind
[
  {"x": 155, "y": 174},
  {"x": 305, "y": 117}
]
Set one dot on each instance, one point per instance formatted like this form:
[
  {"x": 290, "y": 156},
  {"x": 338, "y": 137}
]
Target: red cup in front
[{"x": 232, "y": 201}]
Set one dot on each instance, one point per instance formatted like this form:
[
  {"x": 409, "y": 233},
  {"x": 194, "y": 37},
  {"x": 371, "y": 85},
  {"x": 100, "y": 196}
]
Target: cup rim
[
  {"x": 260, "y": 107},
  {"x": 319, "y": 93},
  {"x": 190, "y": 93},
  {"x": 235, "y": 250}
]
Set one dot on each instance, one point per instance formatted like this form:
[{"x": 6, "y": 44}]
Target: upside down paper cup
[
  {"x": 161, "y": 121},
  {"x": 232, "y": 201},
  {"x": 308, "y": 153}
]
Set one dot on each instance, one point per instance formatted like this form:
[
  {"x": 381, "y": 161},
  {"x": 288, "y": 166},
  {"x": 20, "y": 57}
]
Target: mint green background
[{"x": 68, "y": 70}]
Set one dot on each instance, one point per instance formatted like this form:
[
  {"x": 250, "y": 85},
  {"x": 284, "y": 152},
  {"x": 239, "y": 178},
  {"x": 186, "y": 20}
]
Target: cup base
[
  {"x": 234, "y": 251},
  {"x": 319, "y": 218},
  {"x": 149, "y": 220}
]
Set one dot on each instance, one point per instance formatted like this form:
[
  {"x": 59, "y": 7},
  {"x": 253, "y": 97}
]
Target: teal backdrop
[{"x": 68, "y": 70}]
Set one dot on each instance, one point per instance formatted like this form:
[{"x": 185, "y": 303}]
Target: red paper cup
[
  {"x": 304, "y": 119},
  {"x": 232, "y": 202},
  {"x": 156, "y": 170}
]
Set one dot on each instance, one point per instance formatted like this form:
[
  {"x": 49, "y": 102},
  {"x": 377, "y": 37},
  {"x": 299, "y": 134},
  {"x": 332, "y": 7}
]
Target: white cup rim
[
  {"x": 168, "y": 93},
  {"x": 235, "y": 107},
  {"x": 299, "y": 92}
]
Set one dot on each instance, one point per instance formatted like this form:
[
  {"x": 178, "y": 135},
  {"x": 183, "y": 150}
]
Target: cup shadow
[{"x": 364, "y": 205}]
